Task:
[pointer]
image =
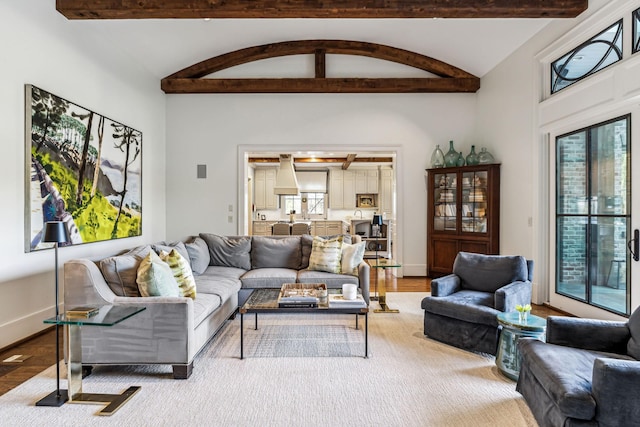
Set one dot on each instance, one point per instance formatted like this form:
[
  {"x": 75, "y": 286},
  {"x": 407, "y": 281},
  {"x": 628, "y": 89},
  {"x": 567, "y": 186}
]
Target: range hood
[{"x": 286, "y": 182}]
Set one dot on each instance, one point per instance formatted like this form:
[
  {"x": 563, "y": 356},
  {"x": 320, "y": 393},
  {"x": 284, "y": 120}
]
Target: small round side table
[{"x": 508, "y": 358}]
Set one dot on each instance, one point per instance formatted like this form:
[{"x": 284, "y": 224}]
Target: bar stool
[
  {"x": 280, "y": 229},
  {"x": 300, "y": 228}
]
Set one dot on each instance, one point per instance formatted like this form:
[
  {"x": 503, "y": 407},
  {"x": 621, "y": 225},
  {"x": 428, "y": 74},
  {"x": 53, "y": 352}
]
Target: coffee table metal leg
[
  {"x": 356, "y": 322},
  {"x": 366, "y": 335},
  {"x": 241, "y": 336},
  {"x": 256, "y": 321}
]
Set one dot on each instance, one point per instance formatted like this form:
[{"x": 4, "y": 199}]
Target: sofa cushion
[
  {"x": 330, "y": 279},
  {"x": 268, "y": 277},
  {"x": 469, "y": 306},
  {"x": 223, "y": 273},
  {"x": 168, "y": 247},
  {"x": 565, "y": 374},
  {"x": 203, "y": 306},
  {"x": 224, "y": 287},
  {"x": 155, "y": 279},
  {"x": 269, "y": 252},
  {"x": 488, "y": 273},
  {"x": 181, "y": 272},
  {"x": 120, "y": 272},
  {"x": 326, "y": 254},
  {"x": 198, "y": 255},
  {"x": 633, "y": 346},
  {"x": 352, "y": 256},
  {"x": 229, "y": 251}
]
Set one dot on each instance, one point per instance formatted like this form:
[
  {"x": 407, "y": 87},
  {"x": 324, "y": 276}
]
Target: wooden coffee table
[{"x": 266, "y": 301}]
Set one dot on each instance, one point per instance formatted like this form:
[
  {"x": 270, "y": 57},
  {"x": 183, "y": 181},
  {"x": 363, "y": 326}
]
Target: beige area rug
[{"x": 408, "y": 380}]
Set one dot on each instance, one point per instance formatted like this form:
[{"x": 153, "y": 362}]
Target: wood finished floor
[{"x": 41, "y": 348}]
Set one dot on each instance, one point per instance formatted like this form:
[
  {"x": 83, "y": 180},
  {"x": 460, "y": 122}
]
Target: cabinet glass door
[
  {"x": 474, "y": 202},
  {"x": 444, "y": 202}
]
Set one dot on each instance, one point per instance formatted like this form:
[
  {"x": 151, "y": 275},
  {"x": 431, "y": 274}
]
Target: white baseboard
[{"x": 21, "y": 328}]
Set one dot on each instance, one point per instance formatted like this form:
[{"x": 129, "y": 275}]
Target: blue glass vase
[
  {"x": 451, "y": 158},
  {"x": 472, "y": 158}
]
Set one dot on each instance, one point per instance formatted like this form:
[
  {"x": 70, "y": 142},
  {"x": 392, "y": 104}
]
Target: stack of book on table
[
  {"x": 338, "y": 301},
  {"x": 295, "y": 295},
  {"x": 82, "y": 311}
]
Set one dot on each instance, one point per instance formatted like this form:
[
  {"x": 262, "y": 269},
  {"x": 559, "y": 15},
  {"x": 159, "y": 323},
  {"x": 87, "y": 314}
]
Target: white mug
[{"x": 349, "y": 291}]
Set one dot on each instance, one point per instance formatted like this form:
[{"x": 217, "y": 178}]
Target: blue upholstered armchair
[
  {"x": 463, "y": 307},
  {"x": 586, "y": 374}
]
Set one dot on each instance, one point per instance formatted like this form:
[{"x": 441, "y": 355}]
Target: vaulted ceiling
[{"x": 170, "y": 35}]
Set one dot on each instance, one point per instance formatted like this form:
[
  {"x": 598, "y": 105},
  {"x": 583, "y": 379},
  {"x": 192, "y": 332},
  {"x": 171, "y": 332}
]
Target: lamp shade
[
  {"x": 377, "y": 220},
  {"x": 55, "y": 232}
]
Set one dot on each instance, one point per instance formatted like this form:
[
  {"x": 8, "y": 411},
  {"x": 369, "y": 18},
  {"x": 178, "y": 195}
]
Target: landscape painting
[{"x": 82, "y": 169}]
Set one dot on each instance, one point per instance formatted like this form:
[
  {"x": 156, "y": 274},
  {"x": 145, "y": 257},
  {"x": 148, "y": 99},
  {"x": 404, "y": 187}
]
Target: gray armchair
[
  {"x": 463, "y": 307},
  {"x": 586, "y": 374}
]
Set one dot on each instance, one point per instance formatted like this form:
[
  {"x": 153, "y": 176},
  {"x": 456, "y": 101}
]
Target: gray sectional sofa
[{"x": 173, "y": 330}]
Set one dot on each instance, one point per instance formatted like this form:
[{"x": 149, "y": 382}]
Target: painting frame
[{"x": 81, "y": 168}]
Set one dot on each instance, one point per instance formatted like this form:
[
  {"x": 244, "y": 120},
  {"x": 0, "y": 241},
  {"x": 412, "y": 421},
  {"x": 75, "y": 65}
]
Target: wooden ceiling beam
[
  {"x": 196, "y": 78},
  {"x": 219, "y": 9},
  {"x": 313, "y": 85},
  {"x": 350, "y": 158}
]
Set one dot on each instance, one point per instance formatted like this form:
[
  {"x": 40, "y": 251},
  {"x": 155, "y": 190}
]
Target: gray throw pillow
[
  {"x": 270, "y": 252},
  {"x": 488, "y": 273},
  {"x": 229, "y": 251},
  {"x": 120, "y": 272},
  {"x": 167, "y": 247},
  {"x": 198, "y": 255},
  {"x": 633, "y": 346}
]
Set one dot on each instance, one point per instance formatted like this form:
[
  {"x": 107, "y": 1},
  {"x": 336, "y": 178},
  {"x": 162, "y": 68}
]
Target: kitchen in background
[{"x": 323, "y": 195}]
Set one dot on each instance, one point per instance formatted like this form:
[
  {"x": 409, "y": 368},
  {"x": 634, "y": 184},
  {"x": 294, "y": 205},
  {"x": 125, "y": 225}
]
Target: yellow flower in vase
[{"x": 523, "y": 312}]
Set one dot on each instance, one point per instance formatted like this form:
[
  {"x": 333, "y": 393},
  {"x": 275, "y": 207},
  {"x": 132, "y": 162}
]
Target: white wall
[
  {"x": 42, "y": 48},
  {"x": 209, "y": 128}
]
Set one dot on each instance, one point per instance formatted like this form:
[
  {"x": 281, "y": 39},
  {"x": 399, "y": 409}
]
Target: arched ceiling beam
[
  {"x": 450, "y": 78},
  {"x": 192, "y": 9}
]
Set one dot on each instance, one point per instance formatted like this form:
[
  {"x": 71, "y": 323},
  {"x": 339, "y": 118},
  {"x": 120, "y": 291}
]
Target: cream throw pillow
[
  {"x": 352, "y": 256},
  {"x": 326, "y": 254},
  {"x": 181, "y": 272},
  {"x": 155, "y": 279}
]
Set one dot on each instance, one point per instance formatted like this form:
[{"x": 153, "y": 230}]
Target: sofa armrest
[
  {"x": 615, "y": 386},
  {"x": 364, "y": 271},
  {"x": 85, "y": 285},
  {"x": 446, "y": 285},
  {"x": 507, "y": 297},
  {"x": 588, "y": 334}
]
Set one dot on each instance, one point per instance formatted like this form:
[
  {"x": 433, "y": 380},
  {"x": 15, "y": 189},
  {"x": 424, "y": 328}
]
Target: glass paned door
[
  {"x": 445, "y": 194},
  {"x": 593, "y": 215}
]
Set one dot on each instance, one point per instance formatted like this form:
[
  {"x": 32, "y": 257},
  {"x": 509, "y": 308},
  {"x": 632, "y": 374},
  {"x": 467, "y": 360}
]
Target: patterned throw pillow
[
  {"x": 155, "y": 278},
  {"x": 352, "y": 256},
  {"x": 326, "y": 254},
  {"x": 181, "y": 272}
]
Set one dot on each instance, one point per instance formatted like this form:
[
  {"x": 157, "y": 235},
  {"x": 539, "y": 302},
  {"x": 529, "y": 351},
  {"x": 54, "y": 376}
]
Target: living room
[{"x": 510, "y": 115}]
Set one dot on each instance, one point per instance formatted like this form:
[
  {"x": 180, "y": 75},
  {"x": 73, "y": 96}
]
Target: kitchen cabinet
[
  {"x": 366, "y": 181},
  {"x": 262, "y": 228},
  {"x": 265, "y": 182},
  {"x": 386, "y": 192},
  {"x": 328, "y": 228},
  {"x": 342, "y": 193},
  {"x": 463, "y": 214}
]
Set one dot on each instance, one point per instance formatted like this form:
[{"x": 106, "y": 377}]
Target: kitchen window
[{"x": 306, "y": 205}]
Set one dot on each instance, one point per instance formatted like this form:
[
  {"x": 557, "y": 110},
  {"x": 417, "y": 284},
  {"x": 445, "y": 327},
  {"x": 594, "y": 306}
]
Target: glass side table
[
  {"x": 107, "y": 316},
  {"x": 381, "y": 285},
  {"x": 508, "y": 357}
]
